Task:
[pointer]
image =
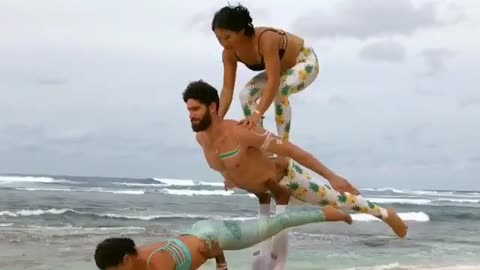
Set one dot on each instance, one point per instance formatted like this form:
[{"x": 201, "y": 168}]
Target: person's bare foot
[
  {"x": 396, "y": 223},
  {"x": 333, "y": 214}
]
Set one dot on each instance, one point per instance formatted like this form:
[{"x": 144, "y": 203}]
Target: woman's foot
[
  {"x": 396, "y": 223},
  {"x": 333, "y": 214}
]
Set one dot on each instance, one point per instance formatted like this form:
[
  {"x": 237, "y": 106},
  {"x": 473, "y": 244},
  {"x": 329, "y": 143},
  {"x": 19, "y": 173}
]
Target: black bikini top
[{"x": 281, "y": 52}]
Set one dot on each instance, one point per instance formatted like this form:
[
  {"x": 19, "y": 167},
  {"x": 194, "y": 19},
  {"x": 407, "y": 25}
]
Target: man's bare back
[{"x": 246, "y": 167}]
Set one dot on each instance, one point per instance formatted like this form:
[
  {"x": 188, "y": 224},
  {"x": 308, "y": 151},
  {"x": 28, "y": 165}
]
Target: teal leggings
[{"x": 235, "y": 235}]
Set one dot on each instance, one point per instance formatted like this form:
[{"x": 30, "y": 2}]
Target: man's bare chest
[{"x": 226, "y": 154}]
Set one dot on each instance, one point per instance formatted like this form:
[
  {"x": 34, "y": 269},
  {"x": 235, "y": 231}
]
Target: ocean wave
[
  {"x": 408, "y": 216},
  {"x": 124, "y": 192},
  {"x": 398, "y": 266},
  {"x": 130, "y": 184},
  {"x": 33, "y": 179},
  {"x": 187, "y": 182},
  {"x": 427, "y": 201},
  {"x": 433, "y": 193},
  {"x": 187, "y": 192}
]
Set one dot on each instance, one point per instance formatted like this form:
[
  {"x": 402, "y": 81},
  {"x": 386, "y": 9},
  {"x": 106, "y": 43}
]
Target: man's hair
[
  {"x": 201, "y": 92},
  {"x": 110, "y": 252}
]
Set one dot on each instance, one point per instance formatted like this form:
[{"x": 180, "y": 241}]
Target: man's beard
[{"x": 203, "y": 124}]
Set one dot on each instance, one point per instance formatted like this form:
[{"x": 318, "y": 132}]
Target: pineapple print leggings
[
  {"x": 312, "y": 191},
  {"x": 292, "y": 81}
]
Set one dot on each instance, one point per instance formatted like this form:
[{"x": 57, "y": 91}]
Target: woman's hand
[
  {"x": 252, "y": 120},
  {"x": 212, "y": 251}
]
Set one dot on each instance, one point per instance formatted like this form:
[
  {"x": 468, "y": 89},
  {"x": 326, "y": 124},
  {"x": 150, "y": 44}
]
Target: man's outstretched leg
[
  {"x": 314, "y": 191},
  {"x": 236, "y": 235}
]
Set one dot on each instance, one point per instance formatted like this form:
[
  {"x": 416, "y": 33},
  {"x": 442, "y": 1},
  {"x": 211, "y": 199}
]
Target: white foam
[
  {"x": 432, "y": 193},
  {"x": 139, "y": 184},
  {"x": 32, "y": 179},
  {"x": 407, "y": 216},
  {"x": 187, "y": 192},
  {"x": 6, "y": 224},
  {"x": 129, "y": 192},
  {"x": 36, "y": 212},
  {"x": 400, "y": 200},
  {"x": 187, "y": 182}
]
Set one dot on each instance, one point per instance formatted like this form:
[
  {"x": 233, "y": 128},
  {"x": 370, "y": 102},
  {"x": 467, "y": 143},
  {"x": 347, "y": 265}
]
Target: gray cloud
[
  {"x": 435, "y": 59},
  {"x": 49, "y": 81},
  {"x": 429, "y": 92},
  {"x": 385, "y": 50},
  {"x": 338, "y": 100},
  {"x": 469, "y": 101},
  {"x": 374, "y": 18}
]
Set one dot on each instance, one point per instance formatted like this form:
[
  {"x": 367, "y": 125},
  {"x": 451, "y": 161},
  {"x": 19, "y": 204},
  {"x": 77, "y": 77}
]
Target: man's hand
[
  {"x": 228, "y": 184},
  {"x": 341, "y": 185}
]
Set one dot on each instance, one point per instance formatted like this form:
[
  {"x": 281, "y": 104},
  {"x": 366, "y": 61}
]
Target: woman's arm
[
  {"x": 214, "y": 251},
  {"x": 269, "y": 48},
  {"x": 221, "y": 262},
  {"x": 229, "y": 74}
]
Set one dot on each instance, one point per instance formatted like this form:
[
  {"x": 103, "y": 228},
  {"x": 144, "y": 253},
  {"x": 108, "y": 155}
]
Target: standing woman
[{"x": 286, "y": 66}]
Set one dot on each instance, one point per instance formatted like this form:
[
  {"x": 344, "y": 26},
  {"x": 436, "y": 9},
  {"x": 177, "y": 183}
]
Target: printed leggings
[
  {"x": 235, "y": 235},
  {"x": 313, "y": 191},
  {"x": 292, "y": 81}
]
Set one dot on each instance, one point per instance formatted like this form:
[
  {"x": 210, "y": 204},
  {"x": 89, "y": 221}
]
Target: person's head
[
  {"x": 116, "y": 254},
  {"x": 202, "y": 103},
  {"x": 232, "y": 25}
]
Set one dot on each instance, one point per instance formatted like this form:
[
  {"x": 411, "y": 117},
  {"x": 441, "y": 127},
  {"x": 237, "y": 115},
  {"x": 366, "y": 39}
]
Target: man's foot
[
  {"x": 397, "y": 224},
  {"x": 333, "y": 214}
]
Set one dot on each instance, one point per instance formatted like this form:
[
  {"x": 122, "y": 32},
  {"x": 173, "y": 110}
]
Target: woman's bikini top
[
  {"x": 281, "y": 52},
  {"x": 179, "y": 252}
]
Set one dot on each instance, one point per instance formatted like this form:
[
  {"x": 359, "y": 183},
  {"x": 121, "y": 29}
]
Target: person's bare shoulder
[{"x": 230, "y": 122}]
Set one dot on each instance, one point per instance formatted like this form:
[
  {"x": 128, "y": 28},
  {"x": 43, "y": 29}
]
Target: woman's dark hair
[
  {"x": 234, "y": 18},
  {"x": 110, "y": 252}
]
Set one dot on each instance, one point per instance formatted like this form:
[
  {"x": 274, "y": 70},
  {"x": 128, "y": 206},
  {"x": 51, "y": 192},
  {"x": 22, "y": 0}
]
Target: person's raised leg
[
  {"x": 235, "y": 235},
  {"x": 292, "y": 81},
  {"x": 250, "y": 94},
  {"x": 314, "y": 191}
]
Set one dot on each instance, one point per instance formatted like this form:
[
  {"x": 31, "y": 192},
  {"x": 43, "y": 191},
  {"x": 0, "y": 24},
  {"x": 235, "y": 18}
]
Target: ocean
[{"x": 54, "y": 222}]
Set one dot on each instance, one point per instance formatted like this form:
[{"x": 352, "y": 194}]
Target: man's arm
[{"x": 269, "y": 142}]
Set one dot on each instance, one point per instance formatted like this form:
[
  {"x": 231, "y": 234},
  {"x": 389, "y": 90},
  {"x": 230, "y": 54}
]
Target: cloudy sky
[{"x": 94, "y": 87}]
